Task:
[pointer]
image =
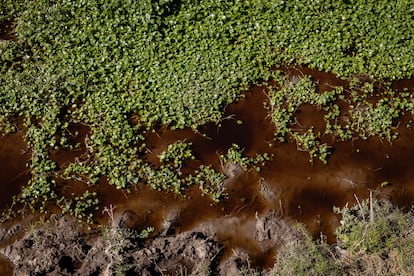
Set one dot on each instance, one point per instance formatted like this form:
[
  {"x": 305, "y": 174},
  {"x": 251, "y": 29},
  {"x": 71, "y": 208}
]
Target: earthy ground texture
[
  {"x": 374, "y": 238},
  {"x": 175, "y": 137},
  {"x": 58, "y": 247}
]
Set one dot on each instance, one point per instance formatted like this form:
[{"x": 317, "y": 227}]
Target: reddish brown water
[
  {"x": 13, "y": 175},
  {"x": 13, "y": 172},
  {"x": 295, "y": 187},
  {"x": 290, "y": 184},
  {"x": 6, "y": 267}
]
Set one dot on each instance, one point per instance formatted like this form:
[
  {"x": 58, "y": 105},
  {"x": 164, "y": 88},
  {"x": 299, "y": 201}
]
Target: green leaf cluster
[
  {"x": 80, "y": 207},
  {"x": 210, "y": 182},
  {"x": 310, "y": 142},
  {"x": 370, "y": 108},
  {"x": 105, "y": 64},
  {"x": 235, "y": 156},
  {"x": 176, "y": 154}
]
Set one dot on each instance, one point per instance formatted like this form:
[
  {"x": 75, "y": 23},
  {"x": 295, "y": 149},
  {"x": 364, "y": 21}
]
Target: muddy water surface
[
  {"x": 292, "y": 185},
  {"x": 6, "y": 267},
  {"x": 13, "y": 172}
]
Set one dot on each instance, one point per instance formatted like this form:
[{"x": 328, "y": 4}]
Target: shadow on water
[{"x": 290, "y": 184}]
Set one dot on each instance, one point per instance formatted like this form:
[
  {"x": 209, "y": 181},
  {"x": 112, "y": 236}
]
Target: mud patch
[
  {"x": 250, "y": 240},
  {"x": 60, "y": 247},
  {"x": 177, "y": 255}
]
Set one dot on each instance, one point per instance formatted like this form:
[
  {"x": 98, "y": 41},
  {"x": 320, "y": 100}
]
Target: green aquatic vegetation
[
  {"x": 235, "y": 156},
  {"x": 11, "y": 54},
  {"x": 77, "y": 171},
  {"x": 80, "y": 207},
  {"x": 310, "y": 142},
  {"x": 176, "y": 154},
  {"x": 98, "y": 62},
  {"x": 10, "y": 8},
  {"x": 165, "y": 178},
  {"x": 38, "y": 192},
  {"x": 369, "y": 120},
  {"x": 285, "y": 101},
  {"x": 210, "y": 182},
  {"x": 284, "y": 104},
  {"x": 333, "y": 122},
  {"x": 377, "y": 118},
  {"x": 372, "y": 109}
]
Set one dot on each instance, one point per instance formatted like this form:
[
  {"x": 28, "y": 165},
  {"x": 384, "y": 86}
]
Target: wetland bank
[{"x": 172, "y": 137}]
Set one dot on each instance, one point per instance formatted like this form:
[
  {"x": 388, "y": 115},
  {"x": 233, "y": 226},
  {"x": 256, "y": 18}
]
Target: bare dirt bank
[{"x": 61, "y": 247}]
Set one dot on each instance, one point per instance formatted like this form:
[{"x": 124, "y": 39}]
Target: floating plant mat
[
  {"x": 182, "y": 113},
  {"x": 291, "y": 183}
]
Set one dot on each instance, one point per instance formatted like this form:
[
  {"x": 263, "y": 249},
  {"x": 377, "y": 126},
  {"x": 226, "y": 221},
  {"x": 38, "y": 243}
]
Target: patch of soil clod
[{"x": 60, "y": 248}]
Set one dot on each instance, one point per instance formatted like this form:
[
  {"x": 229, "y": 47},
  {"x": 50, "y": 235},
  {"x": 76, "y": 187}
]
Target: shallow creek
[{"x": 291, "y": 185}]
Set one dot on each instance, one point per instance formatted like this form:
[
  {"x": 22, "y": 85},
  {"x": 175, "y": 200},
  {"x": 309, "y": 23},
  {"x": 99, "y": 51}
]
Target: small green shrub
[
  {"x": 305, "y": 257},
  {"x": 374, "y": 238},
  {"x": 375, "y": 230}
]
